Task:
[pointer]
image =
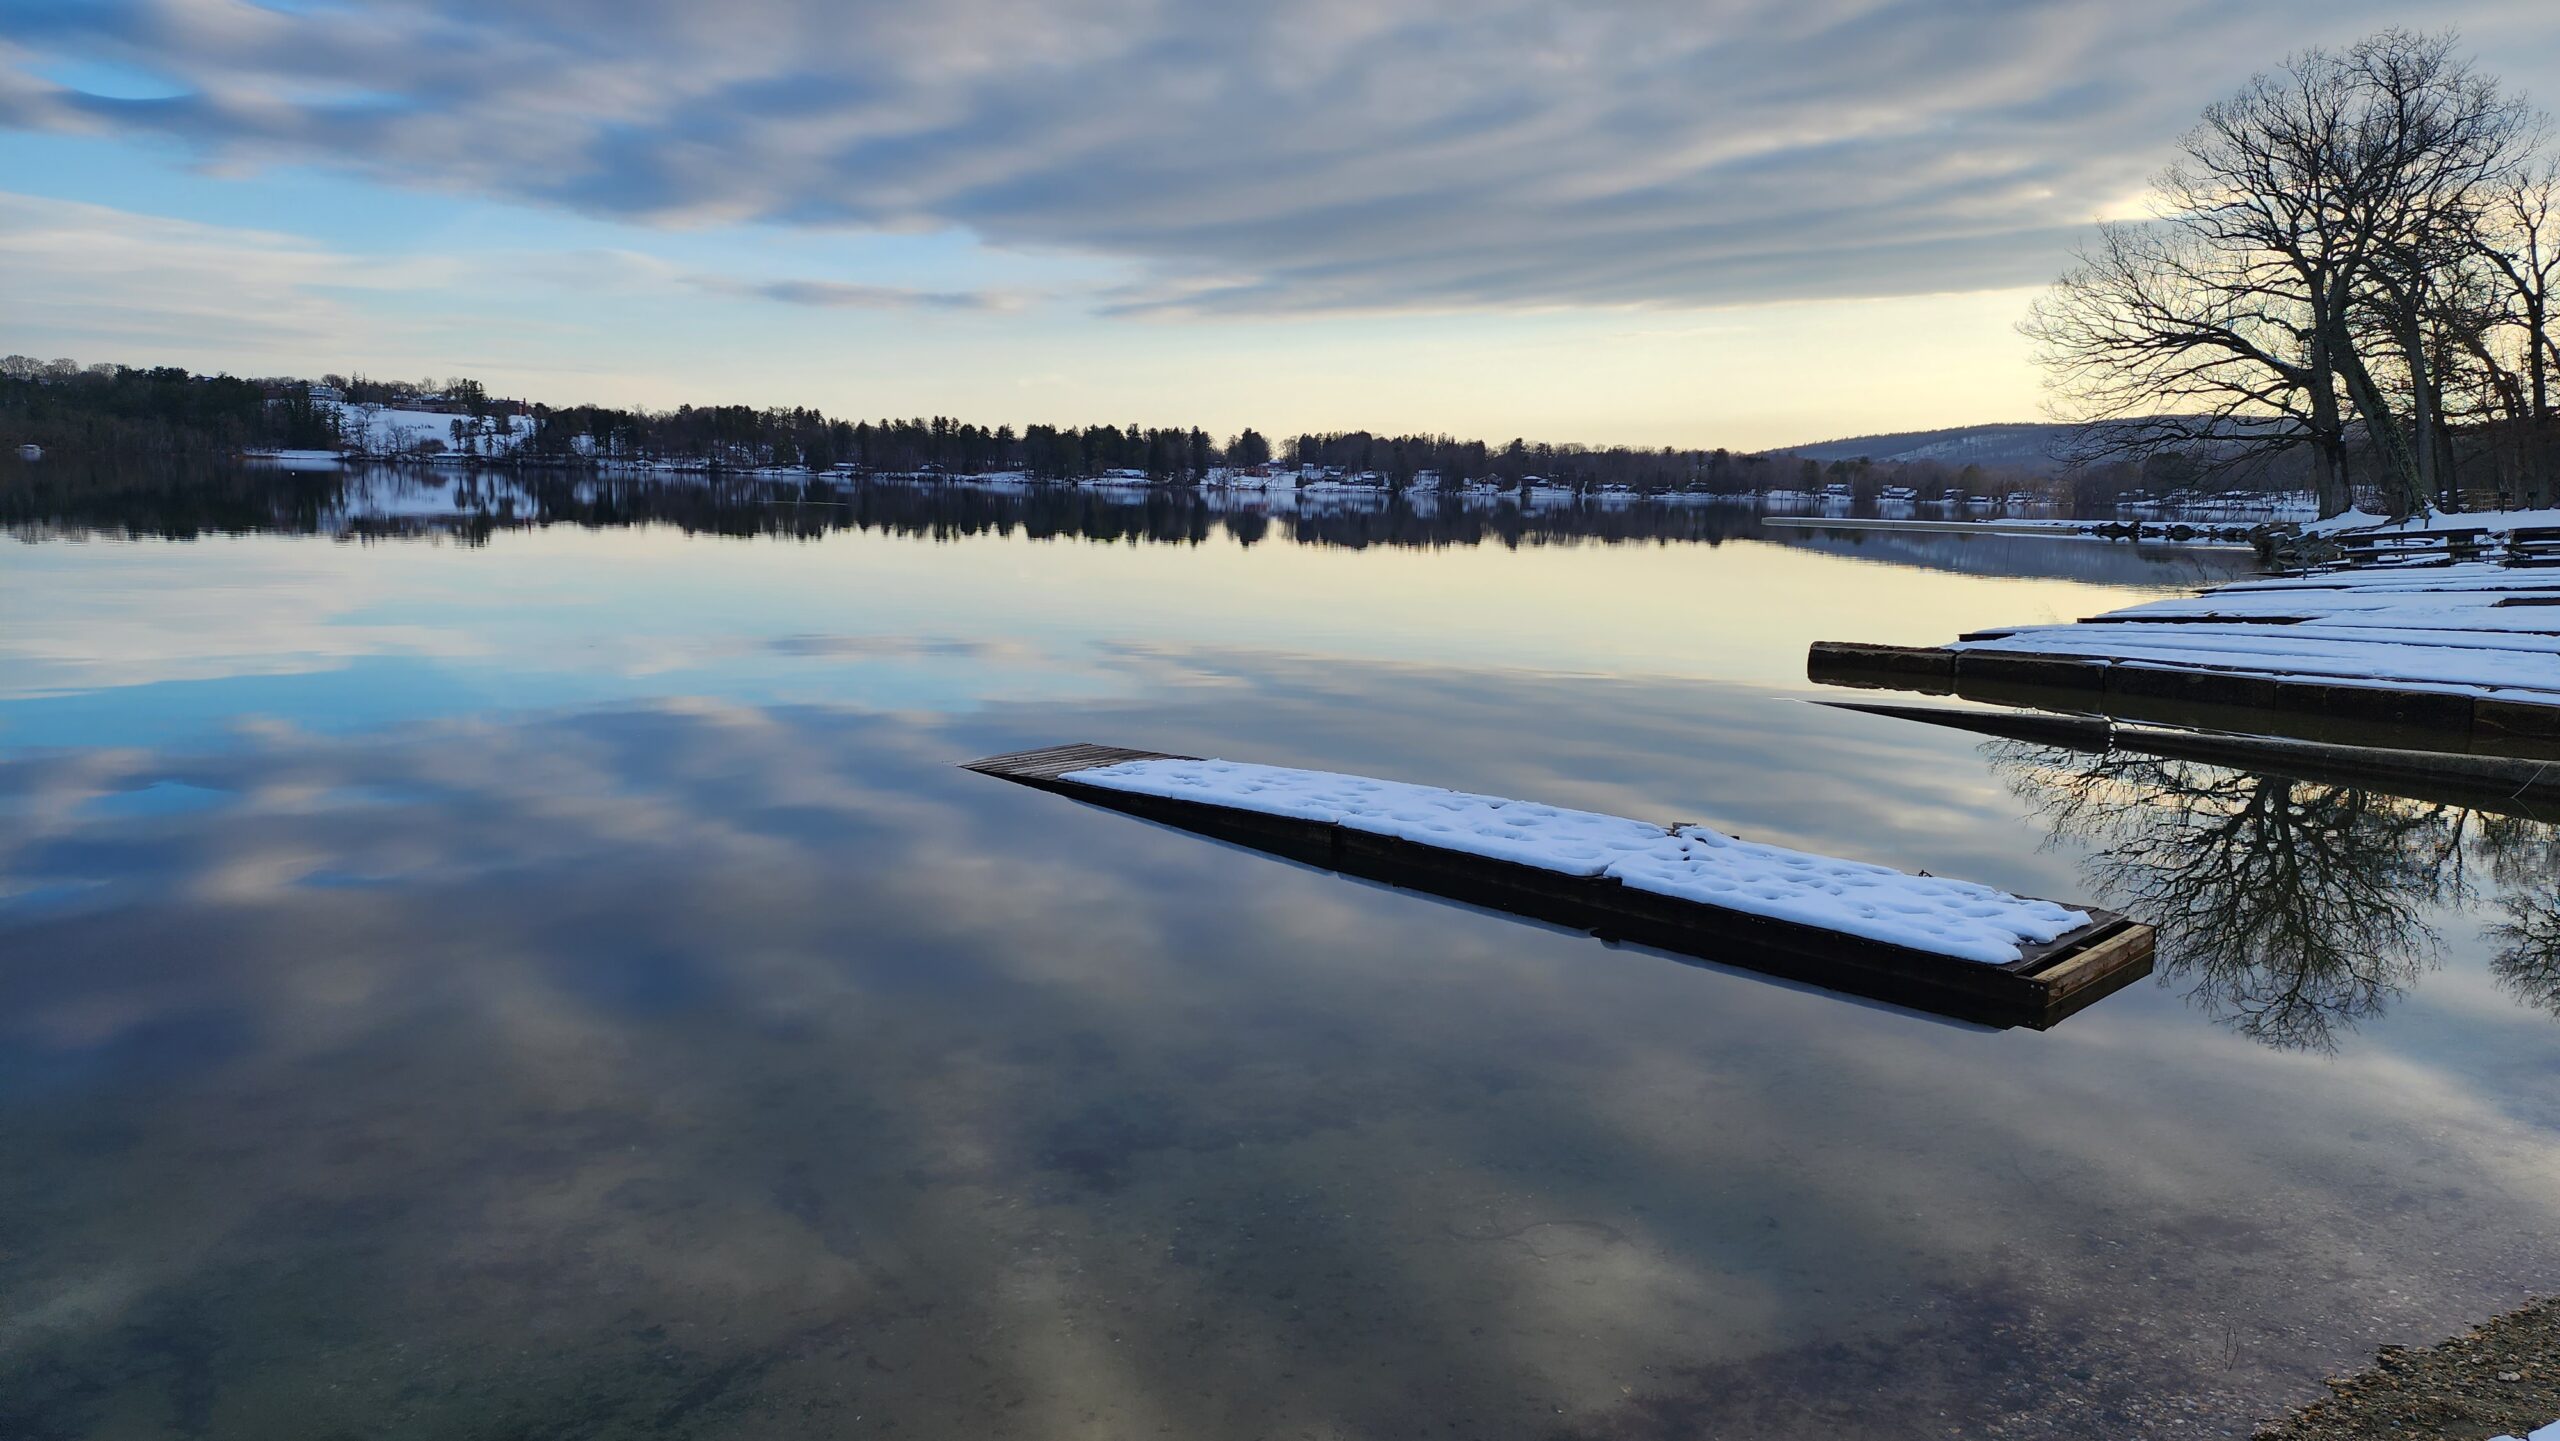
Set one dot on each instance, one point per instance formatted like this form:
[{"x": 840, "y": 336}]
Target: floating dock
[
  {"x": 2048, "y": 980},
  {"x": 2185, "y": 532},
  {"x": 2460, "y": 658}
]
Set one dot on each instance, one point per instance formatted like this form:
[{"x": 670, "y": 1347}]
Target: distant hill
[{"x": 2028, "y": 447}]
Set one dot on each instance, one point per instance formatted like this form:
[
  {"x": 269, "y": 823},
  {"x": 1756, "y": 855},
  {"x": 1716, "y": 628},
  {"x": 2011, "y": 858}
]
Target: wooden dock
[
  {"x": 2231, "y": 533},
  {"x": 2049, "y": 982},
  {"x": 2458, "y": 658}
]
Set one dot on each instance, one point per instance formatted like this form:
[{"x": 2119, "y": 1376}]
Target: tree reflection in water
[
  {"x": 2525, "y": 864},
  {"x": 2294, "y": 910}
]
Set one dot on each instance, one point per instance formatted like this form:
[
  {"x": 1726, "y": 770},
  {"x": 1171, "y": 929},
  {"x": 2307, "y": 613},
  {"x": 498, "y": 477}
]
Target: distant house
[{"x": 327, "y": 392}]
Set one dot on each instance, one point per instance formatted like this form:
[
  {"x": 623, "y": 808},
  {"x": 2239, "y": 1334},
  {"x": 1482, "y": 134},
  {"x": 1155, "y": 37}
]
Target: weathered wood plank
[{"x": 2106, "y": 965}]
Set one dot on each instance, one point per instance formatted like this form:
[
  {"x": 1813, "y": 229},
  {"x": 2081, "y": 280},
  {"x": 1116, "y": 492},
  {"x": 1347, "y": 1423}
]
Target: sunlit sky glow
[{"x": 1737, "y": 222}]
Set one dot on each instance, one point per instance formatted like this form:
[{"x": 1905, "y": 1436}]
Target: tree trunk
[
  {"x": 2537, "y": 437},
  {"x": 2329, "y": 480},
  {"x": 2401, "y": 491}
]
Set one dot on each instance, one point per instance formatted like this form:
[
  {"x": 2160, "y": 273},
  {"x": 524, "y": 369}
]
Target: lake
[{"x": 496, "y": 957}]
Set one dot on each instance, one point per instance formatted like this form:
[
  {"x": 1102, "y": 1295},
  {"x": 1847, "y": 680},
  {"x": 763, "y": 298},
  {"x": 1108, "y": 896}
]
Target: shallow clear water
[{"x": 551, "y": 980}]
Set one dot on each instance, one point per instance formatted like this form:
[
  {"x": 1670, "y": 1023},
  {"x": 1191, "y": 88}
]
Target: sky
[{"x": 1658, "y": 222}]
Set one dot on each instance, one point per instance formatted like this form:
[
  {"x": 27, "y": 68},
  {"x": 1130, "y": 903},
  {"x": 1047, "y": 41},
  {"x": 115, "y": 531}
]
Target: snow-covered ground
[
  {"x": 2246, "y": 505},
  {"x": 2476, "y": 628},
  {"x": 378, "y": 430},
  {"x": 2434, "y": 522},
  {"x": 1924, "y": 913},
  {"x": 2547, "y": 1433}
]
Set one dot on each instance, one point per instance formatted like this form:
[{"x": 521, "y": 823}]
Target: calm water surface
[{"x": 477, "y": 978}]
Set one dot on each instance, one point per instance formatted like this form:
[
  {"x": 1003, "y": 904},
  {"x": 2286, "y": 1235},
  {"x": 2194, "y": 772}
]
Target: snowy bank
[
  {"x": 2433, "y": 522},
  {"x": 379, "y": 430}
]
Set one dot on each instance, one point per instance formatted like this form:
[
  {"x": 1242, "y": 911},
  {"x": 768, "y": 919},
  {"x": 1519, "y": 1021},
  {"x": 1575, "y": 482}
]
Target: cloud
[
  {"x": 840, "y": 295},
  {"x": 144, "y": 280},
  {"x": 110, "y": 283},
  {"x": 1275, "y": 156}
]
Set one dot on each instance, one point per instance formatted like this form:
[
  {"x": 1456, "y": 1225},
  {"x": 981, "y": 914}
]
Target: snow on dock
[
  {"x": 2469, "y": 652},
  {"x": 2163, "y": 532},
  {"x": 1926, "y": 913},
  {"x": 2478, "y": 629},
  {"x": 1935, "y": 943}
]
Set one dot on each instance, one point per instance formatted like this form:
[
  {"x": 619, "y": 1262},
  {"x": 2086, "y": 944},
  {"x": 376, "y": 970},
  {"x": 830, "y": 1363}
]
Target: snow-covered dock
[
  {"x": 2463, "y": 656},
  {"x": 1938, "y": 944},
  {"x": 2178, "y": 532}
]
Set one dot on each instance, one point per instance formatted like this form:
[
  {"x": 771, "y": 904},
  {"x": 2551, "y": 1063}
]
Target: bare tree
[
  {"x": 2161, "y": 342},
  {"x": 2282, "y": 297},
  {"x": 2514, "y": 282},
  {"x": 2442, "y": 139}
]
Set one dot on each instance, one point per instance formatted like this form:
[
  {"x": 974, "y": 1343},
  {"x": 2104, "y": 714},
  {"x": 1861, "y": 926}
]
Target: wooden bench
[
  {"x": 2534, "y": 545},
  {"x": 2434, "y": 547}
]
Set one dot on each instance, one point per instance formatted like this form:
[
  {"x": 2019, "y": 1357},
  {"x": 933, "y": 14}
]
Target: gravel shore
[{"x": 2499, "y": 1379}]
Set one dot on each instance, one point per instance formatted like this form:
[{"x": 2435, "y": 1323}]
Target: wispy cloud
[
  {"x": 842, "y": 295},
  {"x": 149, "y": 281},
  {"x": 1282, "y": 155}
]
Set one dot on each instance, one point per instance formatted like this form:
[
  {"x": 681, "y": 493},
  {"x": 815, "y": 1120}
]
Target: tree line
[
  {"x": 168, "y": 496},
  {"x": 62, "y": 405},
  {"x": 2351, "y": 261},
  {"x": 166, "y": 410}
]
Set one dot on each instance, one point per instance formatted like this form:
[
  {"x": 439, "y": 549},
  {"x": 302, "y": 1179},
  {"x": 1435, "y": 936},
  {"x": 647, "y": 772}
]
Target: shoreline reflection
[{"x": 178, "y": 501}]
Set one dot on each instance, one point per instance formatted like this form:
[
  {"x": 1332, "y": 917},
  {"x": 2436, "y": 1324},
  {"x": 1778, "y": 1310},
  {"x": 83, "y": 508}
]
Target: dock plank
[{"x": 2464, "y": 659}]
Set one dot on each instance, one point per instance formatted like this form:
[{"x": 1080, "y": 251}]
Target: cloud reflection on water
[{"x": 744, "y": 1069}]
